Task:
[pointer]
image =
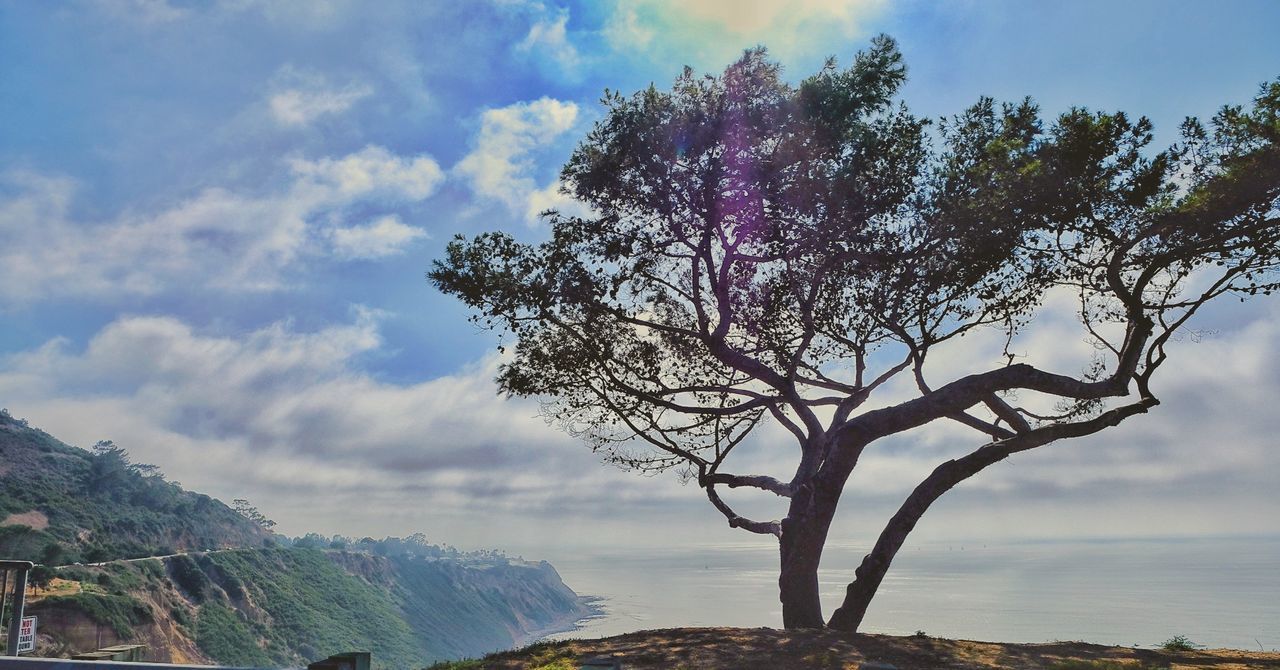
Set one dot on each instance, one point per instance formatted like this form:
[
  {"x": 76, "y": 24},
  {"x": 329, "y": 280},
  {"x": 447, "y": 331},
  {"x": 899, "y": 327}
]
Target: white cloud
[
  {"x": 288, "y": 419},
  {"x": 551, "y": 198},
  {"x": 300, "y": 106},
  {"x": 144, "y": 12},
  {"x": 550, "y": 36},
  {"x": 318, "y": 15},
  {"x": 372, "y": 171},
  {"x": 500, "y": 166},
  {"x": 625, "y": 30},
  {"x": 218, "y": 238},
  {"x": 385, "y": 237}
]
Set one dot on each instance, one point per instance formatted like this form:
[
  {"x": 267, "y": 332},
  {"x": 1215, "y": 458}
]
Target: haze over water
[{"x": 1217, "y": 592}]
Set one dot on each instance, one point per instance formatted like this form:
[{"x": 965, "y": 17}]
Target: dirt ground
[{"x": 766, "y": 648}]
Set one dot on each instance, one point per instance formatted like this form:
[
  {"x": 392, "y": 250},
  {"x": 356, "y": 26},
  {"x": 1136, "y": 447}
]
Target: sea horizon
[{"x": 1219, "y": 592}]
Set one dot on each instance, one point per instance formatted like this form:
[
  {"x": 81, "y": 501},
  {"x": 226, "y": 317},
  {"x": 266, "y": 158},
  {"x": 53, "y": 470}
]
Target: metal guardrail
[
  {"x": 24, "y": 663},
  {"x": 349, "y": 661}
]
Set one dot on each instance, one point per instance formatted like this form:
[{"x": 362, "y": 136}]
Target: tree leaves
[{"x": 754, "y": 242}]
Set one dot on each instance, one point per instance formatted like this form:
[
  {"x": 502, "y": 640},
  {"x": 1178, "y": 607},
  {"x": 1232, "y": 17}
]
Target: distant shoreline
[{"x": 589, "y": 607}]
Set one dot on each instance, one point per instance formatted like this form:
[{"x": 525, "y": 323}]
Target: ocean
[{"x": 1222, "y": 592}]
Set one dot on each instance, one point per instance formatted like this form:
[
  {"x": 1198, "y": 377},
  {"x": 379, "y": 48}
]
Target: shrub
[
  {"x": 1179, "y": 643},
  {"x": 190, "y": 577},
  {"x": 223, "y": 635},
  {"x": 120, "y": 613},
  {"x": 468, "y": 664},
  {"x": 152, "y": 568}
]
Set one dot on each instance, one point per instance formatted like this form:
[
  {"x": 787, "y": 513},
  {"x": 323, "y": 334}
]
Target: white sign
[{"x": 27, "y": 634}]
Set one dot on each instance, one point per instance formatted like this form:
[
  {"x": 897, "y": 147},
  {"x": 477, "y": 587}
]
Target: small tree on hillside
[
  {"x": 761, "y": 251},
  {"x": 245, "y": 509}
]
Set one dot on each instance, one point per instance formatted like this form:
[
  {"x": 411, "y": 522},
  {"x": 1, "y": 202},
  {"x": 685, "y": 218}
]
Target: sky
[{"x": 215, "y": 220}]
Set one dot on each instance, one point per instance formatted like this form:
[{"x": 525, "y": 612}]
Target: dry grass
[
  {"x": 56, "y": 587},
  {"x": 766, "y": 648},
  {"x": 35, "y": 519}
]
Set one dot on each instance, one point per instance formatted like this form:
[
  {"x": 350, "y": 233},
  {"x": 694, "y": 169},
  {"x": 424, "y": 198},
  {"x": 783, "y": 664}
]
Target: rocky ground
[{"x": 765, "y": 648}]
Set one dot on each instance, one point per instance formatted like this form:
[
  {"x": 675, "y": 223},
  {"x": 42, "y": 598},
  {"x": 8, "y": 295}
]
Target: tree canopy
[{"x": 759, "y": 251}]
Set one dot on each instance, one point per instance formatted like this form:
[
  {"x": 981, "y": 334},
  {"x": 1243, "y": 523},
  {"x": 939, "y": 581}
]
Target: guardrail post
[{"x": 19, "y": 599}]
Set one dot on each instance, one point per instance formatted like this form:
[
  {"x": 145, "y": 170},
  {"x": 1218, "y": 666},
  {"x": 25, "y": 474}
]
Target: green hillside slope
[
  {"x": 252, "y": 601},
  {"x": 61, "y": 504},
  {"x": 283, "y": 607}
]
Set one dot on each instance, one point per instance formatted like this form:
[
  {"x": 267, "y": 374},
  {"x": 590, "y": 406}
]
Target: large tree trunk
[
  {"x": 870, "y": 573},
  {"x": 874, "y": 565},
  {"x": 800, "y": 552},
  {"x": 804, "y": 533}
]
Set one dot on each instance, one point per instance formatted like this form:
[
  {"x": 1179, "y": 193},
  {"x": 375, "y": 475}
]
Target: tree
[
  {"x": 41, "y": 576},
  {"x": 760, "y": 251},
  {"x": 110, "y": 470},
  {"x": 245, "y": 509}
]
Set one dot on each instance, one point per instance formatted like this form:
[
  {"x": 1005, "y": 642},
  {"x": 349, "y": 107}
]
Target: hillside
[
  {"x": 285, "y": 606},
  {"x": 252, "y": 600},
  {"x": 755, "y": 648},
  {"x": 60, "y": 504}
]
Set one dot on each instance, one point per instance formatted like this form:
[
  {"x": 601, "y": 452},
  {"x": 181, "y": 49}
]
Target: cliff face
[
  {"x": 458, "y": 609},
  {"x": 281, "y": 607}
]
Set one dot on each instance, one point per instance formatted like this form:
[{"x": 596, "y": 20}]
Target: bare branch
[
  {"x": 762, "y": 482},
  {"x": 761, "y": 527},
  {"x": 943, "y": 479},
  {"x": 1007, "y": 413},
  {"x": 984, "y": 427}
]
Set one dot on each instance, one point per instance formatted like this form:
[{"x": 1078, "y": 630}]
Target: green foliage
[
  {"x": 54, "y": 554},
  {"x": 1179, "y": 643},
  {"x": 226, "y": 638},
  {"x": 40, "y": 576},
  {"x": 119, "y": 612},
  {"x": 759, "y": 251},
  {"x": 310, "y": 602},
  {"x": 101, "y": 506},
  {"x": 122, "y": 578},
  {"x": 128, "y": 509},
  {"x": 751, "y": 233},
  {"x": 453, "y": 621},
  {"x": 180, "y": 615},
  {"x": 248, "y": 511},
  {"x": 414, "y": 546},
  {"x": 411, "y": 610},
  {"x": 467, "y": 664},
  {"x": 23, "y": 543},
  {"x": 190, "y": 577},
  {"x": 77, "y": 573},
  {"x": 153, "y": 569},
  {"x": 280, "y": 607}
]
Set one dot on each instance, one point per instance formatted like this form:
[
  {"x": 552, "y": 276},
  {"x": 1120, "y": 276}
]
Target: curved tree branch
[
  {"x": 760, "y": 527},
  {"x": 763, "y": 482},
  {"x": 943, "y": 479}
]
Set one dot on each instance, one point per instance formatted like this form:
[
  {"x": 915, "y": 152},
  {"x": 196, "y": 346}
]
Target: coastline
[
  {"x": 1221, "y": 592},
  {"x": 589, "y": 607}
]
